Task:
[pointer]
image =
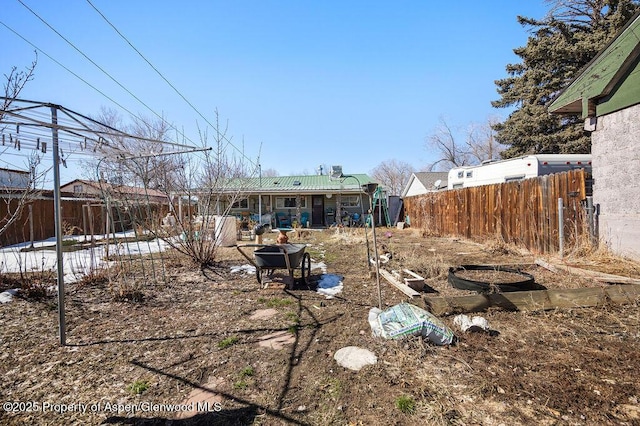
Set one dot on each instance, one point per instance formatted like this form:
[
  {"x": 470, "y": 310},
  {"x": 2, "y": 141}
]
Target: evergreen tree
[{"x": 559, "y": 46}]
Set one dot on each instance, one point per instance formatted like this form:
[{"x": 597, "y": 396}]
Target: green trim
[
  {"x": 626, "y": 94},
  {"x": 604, "y": 74}
]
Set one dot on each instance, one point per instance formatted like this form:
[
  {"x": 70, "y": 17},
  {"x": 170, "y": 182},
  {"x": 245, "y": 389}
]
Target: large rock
[{"x": 354, "y": 358}]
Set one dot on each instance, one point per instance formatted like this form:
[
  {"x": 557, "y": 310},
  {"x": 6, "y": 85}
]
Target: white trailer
[{"x": 516, "y": 169}]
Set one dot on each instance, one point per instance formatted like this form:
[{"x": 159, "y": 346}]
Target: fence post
[
  {"x": 561, "y": 227},
  {"x": 591, "y": 222},
  {"x": 31, "y": 235}
]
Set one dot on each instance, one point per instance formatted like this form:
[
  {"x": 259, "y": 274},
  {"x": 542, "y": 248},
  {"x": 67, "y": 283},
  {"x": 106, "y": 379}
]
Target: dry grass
[
  {"x": 573, "y": 366},
  {"x": 430, "y": 266},
  {"x": 601, "y": 258},
  {"x": 498, "y": 246}
]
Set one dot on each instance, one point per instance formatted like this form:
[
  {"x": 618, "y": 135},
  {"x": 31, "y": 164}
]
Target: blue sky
[{"x": 350, "y": 83}]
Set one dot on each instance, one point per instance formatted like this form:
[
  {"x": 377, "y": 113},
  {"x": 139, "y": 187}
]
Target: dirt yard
[{"x": 266, "y": 356}]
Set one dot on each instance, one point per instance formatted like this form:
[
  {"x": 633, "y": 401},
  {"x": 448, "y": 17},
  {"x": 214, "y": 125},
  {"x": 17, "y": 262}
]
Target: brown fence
[
  {"x": 78, "y": 216},
  {"x": 524, "y": 213},
  {"x": 37, "y": 216}
]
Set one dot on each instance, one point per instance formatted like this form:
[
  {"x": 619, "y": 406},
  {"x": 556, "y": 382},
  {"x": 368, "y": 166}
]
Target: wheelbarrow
[{"x": 269, "y": 257}]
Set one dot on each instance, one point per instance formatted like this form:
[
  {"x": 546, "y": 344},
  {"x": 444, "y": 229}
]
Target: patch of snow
[
  {"x": 76, "y": 263},
  {"x": 321, "y": 265},
  {"x": 7, "y": 295},
  {"x": 247, "y": 269}
]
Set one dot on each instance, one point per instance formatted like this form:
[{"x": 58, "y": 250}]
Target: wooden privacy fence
[
  {"x": 524, "y": 213},
  {"x": 86, "y": 216},
  {"x": 36, "y": 220}
]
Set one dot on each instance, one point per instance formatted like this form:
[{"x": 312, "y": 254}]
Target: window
[
  {"x": 290, "y": 202},
  {"x": 77, "y": 189},
  {"x": 460, "y": 174},
  {"x": 350, "y": 201},
  {"x": 469, "y": 174},
  {"x": 241, "y": 204}
]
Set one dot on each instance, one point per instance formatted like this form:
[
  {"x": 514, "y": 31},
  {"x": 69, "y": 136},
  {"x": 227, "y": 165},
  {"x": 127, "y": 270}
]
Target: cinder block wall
[{"x": 616, "y": 173}]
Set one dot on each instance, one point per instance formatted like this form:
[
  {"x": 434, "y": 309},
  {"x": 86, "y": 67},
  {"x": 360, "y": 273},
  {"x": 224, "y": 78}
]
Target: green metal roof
[
  {"x": 299, "y": 184},
  {"x": 599, "y": 82}
]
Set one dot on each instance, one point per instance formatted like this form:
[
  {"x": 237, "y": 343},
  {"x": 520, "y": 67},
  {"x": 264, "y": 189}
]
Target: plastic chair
[
  {"x": 283, "y": 220},
  {"x": 304, "y": 219},
  {"x": 356, "y": 219}
]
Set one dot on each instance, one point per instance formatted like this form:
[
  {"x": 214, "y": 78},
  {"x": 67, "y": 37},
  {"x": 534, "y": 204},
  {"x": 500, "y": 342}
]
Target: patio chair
[
  {"x": 304, "y": 219},
  {"x": 282, "y": 220},
  {"x": 355, "y": 220}
]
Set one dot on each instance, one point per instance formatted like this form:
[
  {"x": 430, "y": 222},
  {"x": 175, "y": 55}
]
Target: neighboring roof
[
  {"x": 299, "y": 184},
  {"x": 120, "y": 189},
  {"x": 603, "y": 74},
  {"x": 426, "y": 182},
  {"x": 90, "y": 183},
  {"x": 14, "y": 171}
]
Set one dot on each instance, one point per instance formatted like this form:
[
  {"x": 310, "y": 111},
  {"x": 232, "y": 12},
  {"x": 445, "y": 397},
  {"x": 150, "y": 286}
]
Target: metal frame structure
[{"x": 33, "y": 125}]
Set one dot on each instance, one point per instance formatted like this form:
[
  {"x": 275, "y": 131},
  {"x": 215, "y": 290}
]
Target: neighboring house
[
  {"x": 423, "y": 182},
  {"x": 14, "y": 179},
  {"x": 129, "y": 205},
  {"x": 93, "y": 189},
  {"x": 607, "y": 95},
  {"x": 315, "y": 200}
]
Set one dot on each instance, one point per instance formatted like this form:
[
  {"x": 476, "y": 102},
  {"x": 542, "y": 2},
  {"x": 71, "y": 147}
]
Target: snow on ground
[
  {"x": 77, "y": 263},
  {"x": 82, "y": 262}
]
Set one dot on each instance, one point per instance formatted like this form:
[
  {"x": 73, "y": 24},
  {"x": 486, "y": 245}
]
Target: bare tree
[
  {"x": 481, "y": 142},
  {"x": 479, "y": 145},
  {"x": 450, "y": 152},
  {"x": 270, "y": 173},
  {"x": 15, "y": 81},
  {"x": 209, "y": 183},
  {"x": 18, "y": 188},
  {"x": 392, "y": 174},
  {"x": 139, "y": 160}
]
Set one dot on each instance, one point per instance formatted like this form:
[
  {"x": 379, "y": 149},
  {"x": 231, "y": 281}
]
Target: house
[
  {"x": 94, "y": 189},
  {"x": 14, "y": 179},
  {"x": 312, "y": 200},
  {"x": 127, "y": 205},
  {"x": 422, "y": 182},
  {"x": 607, "y": 95}
]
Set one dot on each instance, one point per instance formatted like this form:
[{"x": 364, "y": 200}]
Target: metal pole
[
  {"x": 58, "y": 224},
  {"x": 260, "y": 196},
  {"x": 375, "y": 246},
  {"x": 107, "y": 225},
  {"x": 561, "y": 227},
  {"x": 591, "y": 222},
  {"x": 31, "y": 236},
  {"x": 84, "y": 221}
]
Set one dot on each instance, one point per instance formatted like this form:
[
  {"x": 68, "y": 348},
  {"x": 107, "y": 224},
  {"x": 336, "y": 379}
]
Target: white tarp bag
[{"x": 405, "y": 319}]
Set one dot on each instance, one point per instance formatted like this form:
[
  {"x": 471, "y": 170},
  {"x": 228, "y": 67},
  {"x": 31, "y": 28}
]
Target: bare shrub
[
  {"x": 498, "y": 246},
  {"x": 95, "y": 278},
  {"x": 431, "y": 266}
]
